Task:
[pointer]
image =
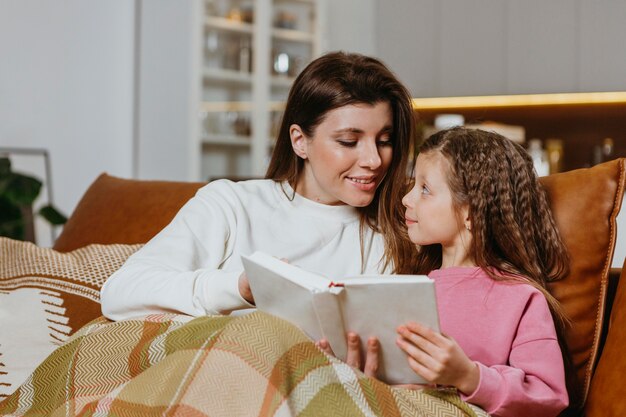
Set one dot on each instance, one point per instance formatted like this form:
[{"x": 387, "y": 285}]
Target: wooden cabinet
[{"x": 581, "y": 120}]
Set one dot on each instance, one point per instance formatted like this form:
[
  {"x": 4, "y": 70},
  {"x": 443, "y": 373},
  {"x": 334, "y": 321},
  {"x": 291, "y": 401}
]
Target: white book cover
[{"x": 329, "y": 308}]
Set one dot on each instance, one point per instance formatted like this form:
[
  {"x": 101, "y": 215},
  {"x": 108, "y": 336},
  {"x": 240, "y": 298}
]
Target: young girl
[{"x": 488, "y": 239}]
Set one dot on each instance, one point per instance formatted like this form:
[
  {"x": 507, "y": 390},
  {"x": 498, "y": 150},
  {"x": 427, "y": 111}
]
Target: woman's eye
[
  {"x": 384, "y": 142},
  {"x": 425, "y": 190},
  {"x": 347, "y": 143}
]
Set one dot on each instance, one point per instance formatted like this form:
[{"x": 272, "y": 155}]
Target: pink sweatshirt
[{"x": 507, "y": 329}]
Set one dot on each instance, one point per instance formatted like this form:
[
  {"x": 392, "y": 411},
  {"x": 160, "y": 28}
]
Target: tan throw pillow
[{"x": 45, "y": 296}]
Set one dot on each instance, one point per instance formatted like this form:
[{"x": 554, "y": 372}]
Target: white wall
[
  {"x": 351, "y": 25},
  {"x": 66, "y": 84},
  {"x": 456, "y": 47},
  {"x": 169, "y": 90}
]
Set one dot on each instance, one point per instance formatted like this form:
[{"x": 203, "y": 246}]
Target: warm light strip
[
  {"x": 518, "y": 100},
  {"x": 442, "y": 103}
]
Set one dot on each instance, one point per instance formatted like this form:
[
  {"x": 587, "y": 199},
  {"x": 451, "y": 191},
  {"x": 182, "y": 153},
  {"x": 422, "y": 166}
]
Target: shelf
[
  {"x": 290, "y": 27},
  {"x": 292, "y": 35},
  {"x": 228, "y": 25},
  {"x": 309, "y": 2},
  {"x": 229, "y": 76},
  {"x": 238, "y": 106},
  {"x": 225, "y": 140},
  {"x": 230, "y": 140},
  {"x": 282, "y": 81}
]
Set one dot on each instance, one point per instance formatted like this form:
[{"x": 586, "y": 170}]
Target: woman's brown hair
[
  {"x": 335, "y": 80},
  {"x": 514, "y": 234}
]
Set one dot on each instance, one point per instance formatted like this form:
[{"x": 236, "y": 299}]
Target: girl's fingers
[
  {"x": 417, "y": 354},
  {"x": 424, "y": 338},
  {"x": 422, "y": 370}
]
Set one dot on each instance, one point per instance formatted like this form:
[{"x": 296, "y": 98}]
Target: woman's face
[{"x": 348, "y": 155}]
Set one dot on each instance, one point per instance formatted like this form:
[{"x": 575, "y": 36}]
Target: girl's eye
[
  {"x": 384, "y": 142},
  {"x": 425, "y": 189}
]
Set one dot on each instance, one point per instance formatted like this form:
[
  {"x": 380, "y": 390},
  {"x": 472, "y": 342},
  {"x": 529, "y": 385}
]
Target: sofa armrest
[{"x": 606, "y": 396}]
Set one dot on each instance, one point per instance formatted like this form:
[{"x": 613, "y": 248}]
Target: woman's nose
[{"x": 370, "y": 156}]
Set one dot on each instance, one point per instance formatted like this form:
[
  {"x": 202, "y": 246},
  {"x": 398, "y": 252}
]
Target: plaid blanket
[{"x": 251, "y": 365}]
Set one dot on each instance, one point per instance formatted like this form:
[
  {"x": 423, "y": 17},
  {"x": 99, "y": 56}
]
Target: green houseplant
[{"x": 17, "y": 194}]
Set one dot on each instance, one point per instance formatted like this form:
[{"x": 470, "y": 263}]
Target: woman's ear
[{"x": 298, "y": 141}]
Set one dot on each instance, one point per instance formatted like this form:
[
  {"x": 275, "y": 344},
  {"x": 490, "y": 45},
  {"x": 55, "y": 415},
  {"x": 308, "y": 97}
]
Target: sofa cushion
[
  {"x": 45, "y": 296},
  {"x": 606, "y": 397},
  {"x": 116, "y": 210},
  {"x": 585, "y": 204}
]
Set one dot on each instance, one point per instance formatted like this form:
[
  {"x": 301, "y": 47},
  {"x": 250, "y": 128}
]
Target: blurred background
[{"x": 193, "y": 89}]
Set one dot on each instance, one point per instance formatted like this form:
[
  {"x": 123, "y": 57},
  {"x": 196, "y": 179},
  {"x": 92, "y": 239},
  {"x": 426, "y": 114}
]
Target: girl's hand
[
  {"x": 438, "y": 358},
  {"x": 244, "y": 288},
  {"x": 354, "y": 355}
]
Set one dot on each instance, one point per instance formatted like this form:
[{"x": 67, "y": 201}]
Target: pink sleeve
[{"x": 533, "y": 383}]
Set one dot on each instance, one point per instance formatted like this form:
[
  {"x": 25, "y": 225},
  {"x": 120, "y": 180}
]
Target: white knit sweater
[{"x": 193, "y": 265}]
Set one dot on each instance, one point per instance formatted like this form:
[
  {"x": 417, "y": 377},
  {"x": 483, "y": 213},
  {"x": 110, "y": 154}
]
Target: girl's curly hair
[{"x": 514, "y": 235}]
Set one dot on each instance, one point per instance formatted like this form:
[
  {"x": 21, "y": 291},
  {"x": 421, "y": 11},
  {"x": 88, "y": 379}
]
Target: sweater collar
[
  {"x": 456, "y": 272},
  {"x": 343, "y": 213}
]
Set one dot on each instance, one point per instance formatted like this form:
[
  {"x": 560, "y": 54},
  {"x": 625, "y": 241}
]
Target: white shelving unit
[{"x": 252, "y": 49}]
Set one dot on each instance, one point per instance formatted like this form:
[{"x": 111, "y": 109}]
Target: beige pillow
[{"x": 45, "y": 296}]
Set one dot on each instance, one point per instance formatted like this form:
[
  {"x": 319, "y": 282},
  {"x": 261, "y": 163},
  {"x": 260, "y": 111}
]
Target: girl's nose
[{"x": 405, "y": 199}]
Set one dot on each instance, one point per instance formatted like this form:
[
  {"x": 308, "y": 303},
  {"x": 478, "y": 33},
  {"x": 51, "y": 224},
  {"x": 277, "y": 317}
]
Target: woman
[{"x": 331, "y": 201}]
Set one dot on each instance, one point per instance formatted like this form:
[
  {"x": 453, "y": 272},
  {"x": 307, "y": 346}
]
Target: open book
[{"x": 325, "y": 308}]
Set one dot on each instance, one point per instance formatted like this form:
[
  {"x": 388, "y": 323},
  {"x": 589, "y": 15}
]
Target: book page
[
  {"x": 278, "y": 289},
  {"x": 328, "y": 311},
  {"x": 377, "y": 309}
]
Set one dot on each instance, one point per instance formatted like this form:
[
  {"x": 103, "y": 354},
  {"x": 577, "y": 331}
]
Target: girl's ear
[
  {"x": 465, "y": 216},
  {"x": 298, "y": 141}
]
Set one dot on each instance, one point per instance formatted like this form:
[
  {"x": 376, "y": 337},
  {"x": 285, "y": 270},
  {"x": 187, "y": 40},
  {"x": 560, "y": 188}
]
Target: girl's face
[
  {"x": 348, "y": 155},
  {"x": 430, "y": 215}
]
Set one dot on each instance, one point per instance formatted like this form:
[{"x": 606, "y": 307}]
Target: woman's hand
[
  {"x": 438, "y": 358},
  {"x": 244, "y": 288},
  {"x": 354, "y": 356}
]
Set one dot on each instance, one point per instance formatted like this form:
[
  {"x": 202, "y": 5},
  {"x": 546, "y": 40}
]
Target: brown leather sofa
[{"x": 585, "y": 203}]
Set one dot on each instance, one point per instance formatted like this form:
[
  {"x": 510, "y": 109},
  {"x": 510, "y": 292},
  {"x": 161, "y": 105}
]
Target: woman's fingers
[
  {"x": 353, "y": 357},
  {"x": 372, "y": 357},
  {"x": 244, "y": 288},
  {"x": 324, "y": 346}
]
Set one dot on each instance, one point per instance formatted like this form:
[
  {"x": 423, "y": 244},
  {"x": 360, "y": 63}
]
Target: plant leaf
[
  {"x": 11, "y": 221},
  {"x": 5, "y": 166},
  {"x": 22, "y": 190},
  {"x": 52, "y": 215}
]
